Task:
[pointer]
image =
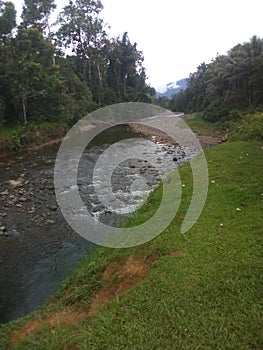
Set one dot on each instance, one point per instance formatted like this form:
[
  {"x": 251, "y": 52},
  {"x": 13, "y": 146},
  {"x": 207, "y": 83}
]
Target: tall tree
[
  {"x": 7, "y": 19},
  {"x": 7, "y": 24},
  {"x": 126, "y": 74},
  {"x": 35, "y": 82},
  {"x": 36, "y": 14}
]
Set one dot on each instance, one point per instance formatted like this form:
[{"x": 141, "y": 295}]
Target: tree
[
  {"x": 36, "y": 14},
  {"x": 126, "y": 74},
  {"x": 230, "y": 82},
  {"x": 35, "y": 82},
  {"x": 7, "y": 19}
]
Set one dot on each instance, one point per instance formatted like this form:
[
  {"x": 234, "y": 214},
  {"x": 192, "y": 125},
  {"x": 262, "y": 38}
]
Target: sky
[{"x": 176, "y": 36}]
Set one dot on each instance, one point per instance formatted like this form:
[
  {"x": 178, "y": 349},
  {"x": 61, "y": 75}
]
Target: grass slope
[{"x": 208, "y": 295}]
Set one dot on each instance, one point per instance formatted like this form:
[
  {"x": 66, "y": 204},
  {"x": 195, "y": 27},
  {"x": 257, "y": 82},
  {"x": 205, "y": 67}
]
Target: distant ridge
[{"x": 173, "y": 88}]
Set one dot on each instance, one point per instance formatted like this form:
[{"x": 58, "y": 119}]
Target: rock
[
  {"x": 213, "y": 182},
  {"x": 238, "y": 209},
  {"x": 225, "y": 138},
  {"x": 183, "y": 186},
  {"x": 221, "y": 225},
  {"x": 5, "y": 193},
  {"x": 50, "y": 222},
  {"x": 3, "y": 228},
  {"x": 15, "y": 183},
  {"x": 50, "y": 187},
  {"x": 22, "y": 199},
  {"x": 52, "y": 207},
  {"x": 19, "y": 205}
]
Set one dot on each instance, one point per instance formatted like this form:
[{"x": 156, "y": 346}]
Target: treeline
[
  {"x": 50, "y": 75},
  {"x": 230, "y": 84}
]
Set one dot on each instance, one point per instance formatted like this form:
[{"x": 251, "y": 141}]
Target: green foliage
[
  {"x": 7, "y": 19},
  {"x": 37, "y": 81},
  {"x": 37, "y": 133},
  {"x": 217, "y": 110},
  {"x": 36, "y": 13},
  {"x": 249, "y": 127},
  {"x": 230, "y": 82}
]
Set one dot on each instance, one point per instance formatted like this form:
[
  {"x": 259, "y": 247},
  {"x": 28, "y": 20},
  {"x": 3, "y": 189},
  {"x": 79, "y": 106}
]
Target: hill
[{"x": 173, "y": 88}]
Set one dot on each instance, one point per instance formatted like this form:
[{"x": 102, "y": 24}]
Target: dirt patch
[
  {"x": 65, "y": 317},
  {"x": 46, "y": 144},
  {"x": 119, "y": 277}
]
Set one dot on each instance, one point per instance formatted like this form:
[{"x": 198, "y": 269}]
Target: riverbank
[
  {"x": 196, "y": 290},
  {"x": 30, "y": 137},
  {"x": 208, "y": 135}
]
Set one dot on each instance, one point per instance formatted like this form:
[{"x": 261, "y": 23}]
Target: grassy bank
[
  {"x": 14, "y": 138},
  {"x": 199, "y": 290}
]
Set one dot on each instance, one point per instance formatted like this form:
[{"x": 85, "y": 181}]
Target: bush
[
  {"x": 216, "y": 111},
  {"x": 250, "y": 127}
]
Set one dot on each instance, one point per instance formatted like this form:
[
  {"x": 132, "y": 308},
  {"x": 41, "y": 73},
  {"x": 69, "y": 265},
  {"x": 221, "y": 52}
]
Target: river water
[{"x": 38, "y": 249}]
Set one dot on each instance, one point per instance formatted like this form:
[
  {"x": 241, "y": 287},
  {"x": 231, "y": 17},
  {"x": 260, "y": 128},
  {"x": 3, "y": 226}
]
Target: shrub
[
  {"x": 216, "y": 111},
  {"x": 250, "y": 127}
]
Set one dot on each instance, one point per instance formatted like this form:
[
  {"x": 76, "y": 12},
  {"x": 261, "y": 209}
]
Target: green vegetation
[
  {"x": 231, "y": 84},
  {"x": 203, "y": 289},
  {"x": 248, "y": 127},
  {"x": 19, "y": 137},
  {"x": 40, "y": 80}
]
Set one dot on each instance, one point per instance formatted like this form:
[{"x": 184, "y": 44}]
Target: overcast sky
[{"x": 177, "y": 35}]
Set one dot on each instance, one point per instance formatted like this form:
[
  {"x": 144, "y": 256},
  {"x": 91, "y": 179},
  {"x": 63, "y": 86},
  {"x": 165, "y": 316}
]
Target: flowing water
[{"x": 38, "y": 249}]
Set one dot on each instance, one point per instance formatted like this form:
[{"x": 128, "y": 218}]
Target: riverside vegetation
[
  {"x": 202, "y": 289},
  {"x": 199, "y": 290}
]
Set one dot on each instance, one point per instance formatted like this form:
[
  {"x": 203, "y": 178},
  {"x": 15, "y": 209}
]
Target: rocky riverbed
[{"x": 37, "y": 247}]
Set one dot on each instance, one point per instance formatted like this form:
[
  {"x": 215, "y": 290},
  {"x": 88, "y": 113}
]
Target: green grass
[
  {"x": 203, "y": 127},
  {"x": 208, "y": 298},
  {"x": 10, "y": 131}
]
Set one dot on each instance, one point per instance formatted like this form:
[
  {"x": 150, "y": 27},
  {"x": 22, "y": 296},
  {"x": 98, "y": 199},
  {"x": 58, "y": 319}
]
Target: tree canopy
[
  {"x": 230, "y": 82},
  {"x": 64, "y": 73}
]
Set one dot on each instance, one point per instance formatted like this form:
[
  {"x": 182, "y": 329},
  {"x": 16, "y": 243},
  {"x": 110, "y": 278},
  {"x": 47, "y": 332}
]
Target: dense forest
[
  {"x": 61, "y": 71},
  {"x": 230, "y": 84}
]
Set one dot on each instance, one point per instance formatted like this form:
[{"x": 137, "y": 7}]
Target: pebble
[
  {"x": 3, "y": 228},
  {"x": 52, "y": 207},
  {"x": 14, "y": 183},
  {"x": 213, "y": 182},
  {"x": 238, "y": 209},
  {"x": 22, "y": 199},
  {"x": 5, "y": 193},
  {"x": 221, "y": 225},
  {"x": 50, "y": 222}
]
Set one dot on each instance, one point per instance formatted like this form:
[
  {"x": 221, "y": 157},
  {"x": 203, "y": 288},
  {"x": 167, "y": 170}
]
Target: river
[{"x": 38, "y": 249}]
